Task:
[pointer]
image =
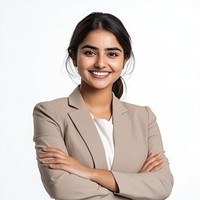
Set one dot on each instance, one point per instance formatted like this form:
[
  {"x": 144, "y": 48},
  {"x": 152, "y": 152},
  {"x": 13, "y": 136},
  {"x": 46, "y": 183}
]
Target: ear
[
  {"x": 125, "y": 62},
  {"x": 74, "y": 63},
  {"x": 73, "y": 58}
]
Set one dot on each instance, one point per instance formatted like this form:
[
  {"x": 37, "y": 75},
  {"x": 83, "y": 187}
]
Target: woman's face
[{"x": 100, "y": 59}]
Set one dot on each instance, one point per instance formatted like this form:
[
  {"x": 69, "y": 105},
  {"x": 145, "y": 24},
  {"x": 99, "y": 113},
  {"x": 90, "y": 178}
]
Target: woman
[{"x": 91, "y": 145}]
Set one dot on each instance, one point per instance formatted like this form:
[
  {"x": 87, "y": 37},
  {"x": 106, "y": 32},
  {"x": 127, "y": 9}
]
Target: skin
[
  {"x": 100, "y": 61},
  {"x": 99, "y": 52}
]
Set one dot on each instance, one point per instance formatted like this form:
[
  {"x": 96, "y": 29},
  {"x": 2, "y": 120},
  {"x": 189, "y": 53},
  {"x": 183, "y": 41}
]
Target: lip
[{"x": 100, "y": 74}]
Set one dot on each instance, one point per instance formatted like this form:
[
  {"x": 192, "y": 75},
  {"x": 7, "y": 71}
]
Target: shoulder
[
  {"x": 140, "y": 111},
  {"x": 53, "y": 104},
  {"x": 53, "y": 107},
  {"x": 134, "y": 108}
]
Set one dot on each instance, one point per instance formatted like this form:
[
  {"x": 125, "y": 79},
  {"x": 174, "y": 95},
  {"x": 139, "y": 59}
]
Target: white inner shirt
[{"x": 105, "y": 130}]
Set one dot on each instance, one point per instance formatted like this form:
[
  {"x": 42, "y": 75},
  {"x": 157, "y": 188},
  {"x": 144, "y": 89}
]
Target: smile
[{"x": 98, "y": 73}]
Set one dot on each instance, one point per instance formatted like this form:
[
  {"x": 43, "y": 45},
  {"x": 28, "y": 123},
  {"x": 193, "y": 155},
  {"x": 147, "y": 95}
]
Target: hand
[
  {"x": 57, "y": 159},
  {"x": 153, "y": 163}
]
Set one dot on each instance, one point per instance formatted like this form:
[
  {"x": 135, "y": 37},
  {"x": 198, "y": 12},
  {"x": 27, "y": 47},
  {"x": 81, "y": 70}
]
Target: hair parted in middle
[{"x": 104, "y": 21}]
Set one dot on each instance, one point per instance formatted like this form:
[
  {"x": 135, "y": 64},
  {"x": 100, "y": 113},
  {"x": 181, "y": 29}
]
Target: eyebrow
[{"x": 95, "y": 48}]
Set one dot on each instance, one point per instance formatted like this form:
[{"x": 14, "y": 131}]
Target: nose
[{"x": 100, "y": 62}]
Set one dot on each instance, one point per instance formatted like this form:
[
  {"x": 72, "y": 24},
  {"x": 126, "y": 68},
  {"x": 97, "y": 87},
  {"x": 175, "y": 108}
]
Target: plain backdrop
[{"x": 34, "y": 36}]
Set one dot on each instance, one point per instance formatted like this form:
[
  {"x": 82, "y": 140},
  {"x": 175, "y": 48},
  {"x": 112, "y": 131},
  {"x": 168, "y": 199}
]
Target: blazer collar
[
  {"x": 76, "y": 101},
  {"x": 86, "y": 128}
]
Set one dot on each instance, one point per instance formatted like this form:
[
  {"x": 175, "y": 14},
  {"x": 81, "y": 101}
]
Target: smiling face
[{"x": 100, "y": 60}]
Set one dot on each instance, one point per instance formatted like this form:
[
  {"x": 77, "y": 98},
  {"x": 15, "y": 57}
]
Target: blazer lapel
[
  {"x": 86, "y": 128},
  {"x": 122, "y": 136}
]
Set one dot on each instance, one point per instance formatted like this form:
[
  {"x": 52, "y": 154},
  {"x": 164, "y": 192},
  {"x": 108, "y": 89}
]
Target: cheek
[
  {"x": 84, "y": 63},
  {"x": 118, "y": 66}
]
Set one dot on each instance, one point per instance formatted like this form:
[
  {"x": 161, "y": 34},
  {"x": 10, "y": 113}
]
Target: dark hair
[{"x": 108, "y": 22}]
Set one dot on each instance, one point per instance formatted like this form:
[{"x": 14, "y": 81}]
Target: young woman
[{"x": 91, "y": 145}]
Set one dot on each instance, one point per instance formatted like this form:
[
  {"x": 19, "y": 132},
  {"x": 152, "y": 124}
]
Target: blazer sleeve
[
  {"x": 151, "y": 185},
  {"x": 60, "y": 184}
]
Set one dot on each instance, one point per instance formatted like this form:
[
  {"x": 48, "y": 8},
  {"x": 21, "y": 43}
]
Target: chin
[
  {"x": 102, "y": 87},
  {"x": 97, "y": 85}
]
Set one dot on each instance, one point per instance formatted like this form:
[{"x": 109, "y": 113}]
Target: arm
[
  {"x": 61, "y": 161},
  {"x": 132, "y": 186},
  {"x": 58, "y": 183},
  {"x": 58, "y": 160},
  {"x": 148, "y": 185}
]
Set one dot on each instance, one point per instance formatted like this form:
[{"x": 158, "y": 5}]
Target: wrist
[{"x": 93, "y": 174}]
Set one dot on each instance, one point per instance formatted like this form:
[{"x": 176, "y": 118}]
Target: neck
[{"x": 98, "y": 101}]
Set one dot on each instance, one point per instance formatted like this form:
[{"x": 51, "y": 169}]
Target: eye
[
  {"x": 89, "y": 53},
  {"x": 112, "y": 54}
]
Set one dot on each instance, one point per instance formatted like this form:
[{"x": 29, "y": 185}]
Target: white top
[{"x": 105, "y": 130}]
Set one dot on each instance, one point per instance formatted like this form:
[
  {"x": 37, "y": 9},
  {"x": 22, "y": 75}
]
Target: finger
[
  {"x": 52, "y": 149},
  {"x": 58, "y": 166},
  {"x": 153, "y": 165},
  {"x": 150, "y": 156},
  {"x": 154, "y": 162},
  {"x": 151, "y": 160},
  {"x": 54, "y": 161},
  {"x": 52, "y": 155},
  {"x": 158, "y": 167}
]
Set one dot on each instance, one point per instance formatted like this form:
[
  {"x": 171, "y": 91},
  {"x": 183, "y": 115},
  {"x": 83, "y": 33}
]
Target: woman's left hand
[
  {"x": 57, "y": 159},
  {"x": 153, "y": 163}
]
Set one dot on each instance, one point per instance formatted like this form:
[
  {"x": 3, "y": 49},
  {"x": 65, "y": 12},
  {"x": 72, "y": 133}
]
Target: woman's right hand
[{"x": 153, "y": 163}]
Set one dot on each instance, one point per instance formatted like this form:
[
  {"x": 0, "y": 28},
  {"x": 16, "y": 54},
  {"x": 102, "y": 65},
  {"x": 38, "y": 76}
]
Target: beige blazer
[{"x": 65, "y": 123}]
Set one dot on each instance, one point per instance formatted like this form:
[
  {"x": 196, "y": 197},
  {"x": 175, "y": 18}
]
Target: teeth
[{"x": 100, "y": 73}]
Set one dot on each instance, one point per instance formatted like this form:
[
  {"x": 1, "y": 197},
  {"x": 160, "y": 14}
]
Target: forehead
[{"x": 101, "y": 38}]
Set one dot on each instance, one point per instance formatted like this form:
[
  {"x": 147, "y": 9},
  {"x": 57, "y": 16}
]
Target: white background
[{"x": 34, "y": 36}]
